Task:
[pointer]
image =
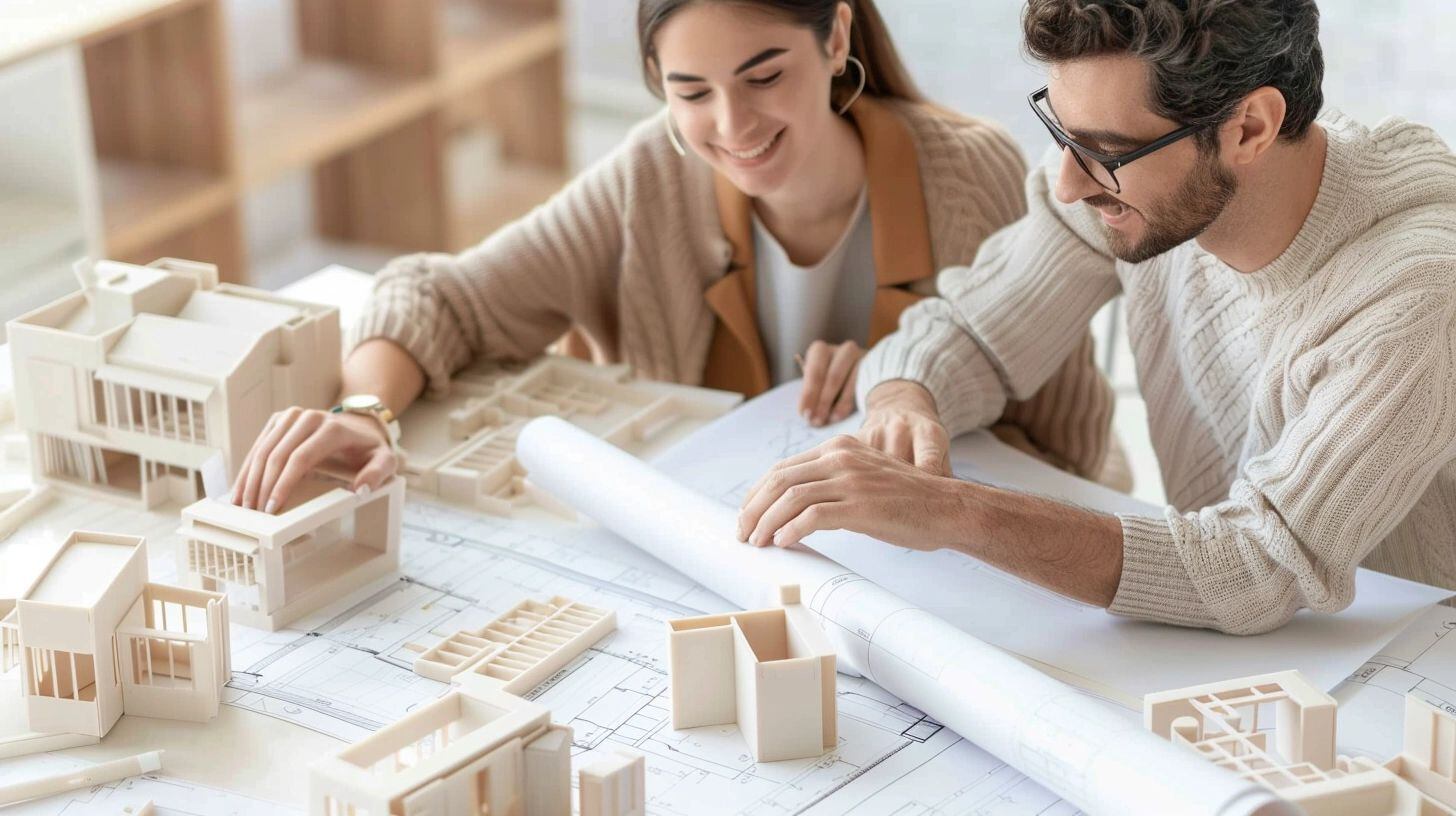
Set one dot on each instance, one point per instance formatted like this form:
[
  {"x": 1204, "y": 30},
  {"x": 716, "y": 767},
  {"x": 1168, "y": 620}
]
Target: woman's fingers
[
  {"x": 816, "y": 369},
  {"x": 841, "y": 365},
  {"x": 844, "y": 406},
  {"x": 303, "y": 429},
  {"x": 262, "y": 449}
]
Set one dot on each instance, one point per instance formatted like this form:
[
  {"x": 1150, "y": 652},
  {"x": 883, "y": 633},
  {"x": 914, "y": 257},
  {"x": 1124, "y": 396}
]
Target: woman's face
[{"x": 747, "y": 90}]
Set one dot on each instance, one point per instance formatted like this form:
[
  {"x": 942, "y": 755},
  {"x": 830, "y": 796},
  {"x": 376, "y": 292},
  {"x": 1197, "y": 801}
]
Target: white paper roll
[{"x": 1066, "y": 741}]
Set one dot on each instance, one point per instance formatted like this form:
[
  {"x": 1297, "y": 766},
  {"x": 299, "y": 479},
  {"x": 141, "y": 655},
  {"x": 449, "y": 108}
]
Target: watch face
[{"x": 360, "y": 402}]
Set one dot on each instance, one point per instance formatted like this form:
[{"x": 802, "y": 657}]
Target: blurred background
[{"x": 275, "y": 137}]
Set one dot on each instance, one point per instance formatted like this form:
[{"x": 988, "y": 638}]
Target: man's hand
[
  {"x": 845, "y": 484},
  {"x": 297, "y": 440},
  {"x": 829, "y": 377},
  {"x": 901, "y": 420}
]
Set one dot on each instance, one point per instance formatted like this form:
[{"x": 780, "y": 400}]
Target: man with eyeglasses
[{"x": 1290, "y": 286}]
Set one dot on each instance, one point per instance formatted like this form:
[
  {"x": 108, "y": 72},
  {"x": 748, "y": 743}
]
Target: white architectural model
[
  {"x": 521, "y": 648},
  {"x": 1296, "y": 758},
  {"x": 324, "y": 543},
  {"x": 91, "y": 639},
  {"x": 463, "y": 449},
  {"x": 476, "y": 750},
  {"x": 771, "y": 671},
  {"x": 480, "y": 749},
  {"x": 614, "y": 786},
  {"x": 125, "y": 388}
]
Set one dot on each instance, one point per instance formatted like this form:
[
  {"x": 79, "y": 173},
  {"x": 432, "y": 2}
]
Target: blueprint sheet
[
  {"x": 347, "y": 673},
  {"x": 1080, "y": 644}
]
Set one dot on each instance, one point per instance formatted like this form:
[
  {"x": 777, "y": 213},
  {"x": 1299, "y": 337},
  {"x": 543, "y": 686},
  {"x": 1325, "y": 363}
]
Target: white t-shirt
[{"x": 829, "y": 301}]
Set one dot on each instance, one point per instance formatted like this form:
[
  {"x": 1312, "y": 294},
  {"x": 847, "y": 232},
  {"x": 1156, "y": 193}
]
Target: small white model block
[
  {"x": 324, "y": 543},
  {"x": 67, "y": 621},
  {"x": 92, "y": 639},
  {"x": 771, "y": 671},
  {"x": 126, "y": 387},
  {"x": 1221, "y": 722},
  {"x": 522, "y": 648},
  {"x": 614, "y": 786},
  {"x": 475, "y": 750}
]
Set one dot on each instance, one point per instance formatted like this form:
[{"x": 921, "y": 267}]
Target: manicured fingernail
[
  {"x": 270, "y": 507},
  {"x": 778, "y": 538},
  {"x": 363, "y": 491}
]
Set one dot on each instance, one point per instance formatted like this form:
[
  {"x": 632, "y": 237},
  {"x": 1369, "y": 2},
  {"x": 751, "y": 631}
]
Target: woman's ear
[{"x": 839, "y": 37}]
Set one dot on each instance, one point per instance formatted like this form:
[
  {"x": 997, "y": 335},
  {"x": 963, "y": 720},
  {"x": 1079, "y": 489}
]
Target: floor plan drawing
[
  {"x": 348, "y": 672},
  {"x": 1420, "y": 662}
]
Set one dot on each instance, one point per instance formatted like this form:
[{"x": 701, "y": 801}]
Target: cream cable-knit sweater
[
  {"x": 626, "y": 251},
  {"x": 1304, "y": 415}
]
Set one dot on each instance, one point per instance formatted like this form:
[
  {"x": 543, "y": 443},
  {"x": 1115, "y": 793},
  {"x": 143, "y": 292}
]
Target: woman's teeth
[{"x": 755, "y": 152}]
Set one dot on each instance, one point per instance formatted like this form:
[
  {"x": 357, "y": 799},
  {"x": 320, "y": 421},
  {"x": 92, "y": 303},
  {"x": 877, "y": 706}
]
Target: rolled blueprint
[{"x": 1070, "y": 743}]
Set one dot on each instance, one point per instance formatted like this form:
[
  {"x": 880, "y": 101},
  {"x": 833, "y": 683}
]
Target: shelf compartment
[
  {"x": 482, "y": 40},
  {"x": 144, "y": 203},
  {"x": 318, "y": 110},
  {"x": 216, "y": 239}
]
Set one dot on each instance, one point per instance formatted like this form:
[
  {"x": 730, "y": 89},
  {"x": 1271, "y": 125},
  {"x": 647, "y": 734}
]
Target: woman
[{"x": 796, "y": 195}]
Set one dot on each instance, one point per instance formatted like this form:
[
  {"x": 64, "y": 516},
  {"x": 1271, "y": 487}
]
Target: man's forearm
[{"x": 1075, "y": 552}]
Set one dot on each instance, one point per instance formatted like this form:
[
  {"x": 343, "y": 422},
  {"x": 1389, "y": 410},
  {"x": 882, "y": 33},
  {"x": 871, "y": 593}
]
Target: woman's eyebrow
[{"x": 757, "y": 59}]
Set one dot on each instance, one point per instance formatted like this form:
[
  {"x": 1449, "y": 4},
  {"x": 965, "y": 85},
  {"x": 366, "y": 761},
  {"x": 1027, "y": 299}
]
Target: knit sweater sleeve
[
  {"x": 520, "y": 289},
  {"x": 1005, "y": 325},
  {"x": 1371, "y": 419}
]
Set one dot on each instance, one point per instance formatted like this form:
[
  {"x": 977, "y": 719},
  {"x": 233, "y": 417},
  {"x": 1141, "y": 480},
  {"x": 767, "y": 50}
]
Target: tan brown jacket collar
[{"x": 899, "y": 231}]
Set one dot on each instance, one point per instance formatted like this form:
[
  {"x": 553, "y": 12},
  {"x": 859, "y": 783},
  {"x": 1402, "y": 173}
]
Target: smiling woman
[{"x": 795, "y": 197}]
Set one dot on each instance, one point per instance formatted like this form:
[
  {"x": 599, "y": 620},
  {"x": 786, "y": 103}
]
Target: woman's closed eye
[
  {"x": 764, "y": 82},
  {"x": 693, "y": 97}
]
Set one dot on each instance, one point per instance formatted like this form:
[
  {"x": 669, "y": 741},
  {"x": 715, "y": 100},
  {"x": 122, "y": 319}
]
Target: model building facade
[
  {"x": 324, "y": 543},
  {"x": 477, "y": 750},
  {"x": 126, "y": 387},
  {"x": 91, "y": 639}
]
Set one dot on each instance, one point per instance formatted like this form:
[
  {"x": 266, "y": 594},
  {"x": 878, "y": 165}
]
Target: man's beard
[{"x": 1178, "y": 218}]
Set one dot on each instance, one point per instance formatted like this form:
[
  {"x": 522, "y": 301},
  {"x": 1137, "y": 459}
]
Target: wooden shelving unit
[{"x": 369, "y": 112}]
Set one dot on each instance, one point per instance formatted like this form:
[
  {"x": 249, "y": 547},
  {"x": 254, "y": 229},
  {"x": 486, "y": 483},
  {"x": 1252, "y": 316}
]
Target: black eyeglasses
[{"x": 1100, "y": 166}]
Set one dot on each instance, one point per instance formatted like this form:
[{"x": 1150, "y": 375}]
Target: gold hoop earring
[
  {"x": 672, "y": 134},
  {"x": 863, "y": 79}
]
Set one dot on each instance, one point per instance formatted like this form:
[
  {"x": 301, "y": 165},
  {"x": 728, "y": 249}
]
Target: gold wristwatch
[{"x": 373, "y": 406}]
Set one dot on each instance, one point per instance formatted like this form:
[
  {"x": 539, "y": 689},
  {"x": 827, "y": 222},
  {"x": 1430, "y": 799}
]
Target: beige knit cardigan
[{"x": 644, "y": 254}]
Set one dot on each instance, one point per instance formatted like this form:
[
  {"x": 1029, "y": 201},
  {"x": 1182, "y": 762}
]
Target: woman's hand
[
  {"x": 829, "y": 377},
  {"x": 297, "y": 440},
  {"x": 901, "y": 420}
]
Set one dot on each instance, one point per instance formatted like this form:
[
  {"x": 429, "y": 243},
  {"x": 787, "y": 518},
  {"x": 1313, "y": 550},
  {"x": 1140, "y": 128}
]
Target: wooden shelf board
[
  {"x": 483, "y": 42},
  {"x": 144, "y": 203},
  {"x": 321, "y": 108},
  {"x": 519, "y": 188}
]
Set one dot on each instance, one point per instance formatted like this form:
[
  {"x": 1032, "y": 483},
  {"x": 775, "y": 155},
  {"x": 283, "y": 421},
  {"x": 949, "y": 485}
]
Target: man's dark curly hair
[{"x": 1203, "y": 56}]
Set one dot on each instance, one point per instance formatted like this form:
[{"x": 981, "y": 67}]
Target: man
[{"x": 1290, "y": 286}]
